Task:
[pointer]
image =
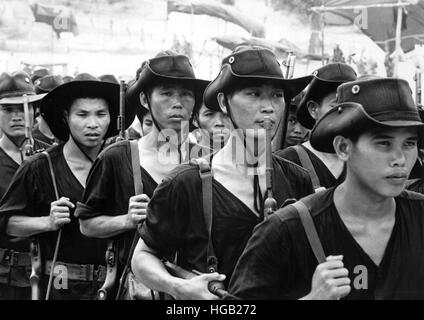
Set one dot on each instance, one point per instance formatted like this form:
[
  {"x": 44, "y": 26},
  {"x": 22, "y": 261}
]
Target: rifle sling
[
  {"x": 138, "y": 189},
  {"x": 310, "y": 230},
  {"x": 307, "y": 164},
  {"x": 206, "y": 178}
]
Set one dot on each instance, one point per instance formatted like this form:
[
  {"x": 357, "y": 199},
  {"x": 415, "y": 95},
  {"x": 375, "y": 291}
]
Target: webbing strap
[
  {"x": 206, "y": 177},
  {"x": 307, "y": 164},
  {"x": 311, "y": 232}
]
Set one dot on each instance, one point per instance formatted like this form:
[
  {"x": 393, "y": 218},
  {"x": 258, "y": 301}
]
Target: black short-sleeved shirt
[
  {"x": 8, "y": 167},
  {"x": 109, "y": 187},
  {"x": 278, "y": 262},
  {"x": 325, "y": 177},
  {"x": 175, "y": 221},
  {"x": 30, "y": 194}
]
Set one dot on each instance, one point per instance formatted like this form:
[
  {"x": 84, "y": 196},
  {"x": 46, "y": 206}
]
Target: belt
[
  {"x": 79, "y": 272},
  {"x": 15, "y": 258}
]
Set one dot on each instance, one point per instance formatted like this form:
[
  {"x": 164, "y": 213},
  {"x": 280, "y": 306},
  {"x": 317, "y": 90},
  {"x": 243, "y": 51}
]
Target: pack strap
[
  {"x": 205, "y": 174},
  {"x": 311, "y": 232},
  {"x": 307, "y": 164}
]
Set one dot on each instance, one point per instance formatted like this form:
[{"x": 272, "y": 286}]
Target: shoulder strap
[
  {"x": 135, "y": 163},
  {"x": 307, "y": 164},
  {"x": 52, "y": 175},
  {"x": 310, "y": 230},
  {"x": 206, "y": 177}
]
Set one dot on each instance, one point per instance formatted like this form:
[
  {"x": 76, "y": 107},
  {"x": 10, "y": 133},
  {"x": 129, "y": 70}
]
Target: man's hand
[
  {"x": 59, "y": 213},
  {"x": 196, "y": 288},
  {"x": 137, "y": 210},
  {"x": 330, "y": 280}
]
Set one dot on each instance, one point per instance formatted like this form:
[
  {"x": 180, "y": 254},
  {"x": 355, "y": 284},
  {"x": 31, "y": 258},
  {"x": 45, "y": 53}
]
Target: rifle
[
  {"x": 215, "y": 287},
  {"x": 270, "y": 204},
  {"x": 35, "y": 254},
  {"x": 418, "y": 88},
  {"x": 111, "y": 273},
  {"x": 34, "y": 278},
  {"x": 121, "y": 117},
  {"x": 29, "y": 140},
  {"x": 289, "y": 64}
]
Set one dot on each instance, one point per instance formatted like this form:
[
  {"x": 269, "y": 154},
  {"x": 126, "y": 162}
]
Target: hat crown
[
  {"x": 384, "y": 99},
  {"x": 254, "y": 61},
  {"x": 47, "y": 83},
  {"x": 15, "y": 84},
  {"x": 170, "y": 65},
  {"x": 339, "y": 72},
  {"x": 85, "y": 77}
]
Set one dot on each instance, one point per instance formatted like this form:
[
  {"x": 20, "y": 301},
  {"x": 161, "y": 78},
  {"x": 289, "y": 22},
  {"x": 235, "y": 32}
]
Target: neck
[
  {"x": 157, "y": 139},
  {"x": 11, "y": 143},
  {"x": 72, "y": 150},
  {"x": 44, "y": 128},
  {"x": 352, "y": 199},
  {"x": 320, "y": 154}
]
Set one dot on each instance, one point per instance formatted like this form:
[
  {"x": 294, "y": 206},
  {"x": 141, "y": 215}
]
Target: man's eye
[
  {"x": 279, "y": 95},
  {"x": 148, "y": 123},
  {"x": 188, "y": 94},
  {"x": 166, "y": 93},
  {"x": 411, "y": 143},
  {"x": 383, "y": 143}
]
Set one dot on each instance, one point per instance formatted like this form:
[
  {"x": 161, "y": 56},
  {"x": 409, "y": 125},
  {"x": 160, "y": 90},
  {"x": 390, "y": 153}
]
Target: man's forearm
[
  {"x": 147, "y": 267},
  {"x": 105, "y": 226},
  {"x": 22, "y": 226}
]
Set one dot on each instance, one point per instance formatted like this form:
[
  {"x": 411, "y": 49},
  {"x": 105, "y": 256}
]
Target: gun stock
[
  {"x": 111, "y": 272},
  {"x": 215, "y": 287},
  {"x": 34, "y": 278}
]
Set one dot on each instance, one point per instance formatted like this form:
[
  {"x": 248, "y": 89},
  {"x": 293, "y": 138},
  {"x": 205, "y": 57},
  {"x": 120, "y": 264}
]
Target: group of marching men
[{"x": 337, "y": 213}]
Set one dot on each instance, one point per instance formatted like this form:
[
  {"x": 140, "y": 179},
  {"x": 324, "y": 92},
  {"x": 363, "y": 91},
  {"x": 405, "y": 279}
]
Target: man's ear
[
  {"x": 312, "y": 109},
  {"x": 222, "y": 102},
  {"x": 343, "y": 147},
  {"x": 143, "y": 100},
  {"x": 65, "y": 116},
  {"x": 195, "y": 122}
]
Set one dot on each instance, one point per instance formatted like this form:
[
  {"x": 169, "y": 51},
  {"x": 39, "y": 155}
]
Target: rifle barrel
[{"x": 270, "y": 203}]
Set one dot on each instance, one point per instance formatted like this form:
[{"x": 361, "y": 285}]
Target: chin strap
[{"x": 79, "y": 146}]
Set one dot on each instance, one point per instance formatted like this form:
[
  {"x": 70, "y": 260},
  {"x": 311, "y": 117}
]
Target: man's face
[
  {"x": 171, "y": 105},
  {"x": 381, "y": 160},
  {"x": 147, "y": 124},
  {"x": 89, "y": 120},
  {"x": 12, "y": 119},
  {"x": 215, "y": 123},
  {"x": 319, "y": 109},
  {"x": 296, "y": 133},
  {"x": 251, "y": 104}
]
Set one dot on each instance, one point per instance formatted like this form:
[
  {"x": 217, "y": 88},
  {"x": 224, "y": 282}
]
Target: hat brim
[
  {"x": 348, "y": 118},
  {"x": 54, "y": 103},
  {"x": 226, "y": 78},
  {"x": 20, "y": 99},
  {"x": 150, "y": 78},
  {"x": 316, "y": 87}
]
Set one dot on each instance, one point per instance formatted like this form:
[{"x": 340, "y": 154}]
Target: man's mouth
[{"x": 397, "y": 177}]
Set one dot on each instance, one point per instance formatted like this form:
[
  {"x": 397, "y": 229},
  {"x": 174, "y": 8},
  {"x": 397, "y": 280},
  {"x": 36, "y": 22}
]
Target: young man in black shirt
[
  {"x": 82, "y": 113},
  {"x": 14, "y": 259},
  {"x": 167, "y": 87},
  {"x": 318, "y": 99},
  {"x": 371, "y": 230},
  {"x": 249, "y": 87}
]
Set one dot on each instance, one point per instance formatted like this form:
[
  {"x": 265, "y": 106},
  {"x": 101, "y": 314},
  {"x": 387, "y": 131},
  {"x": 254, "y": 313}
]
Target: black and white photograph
[{"x": 230, "y": 152}]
